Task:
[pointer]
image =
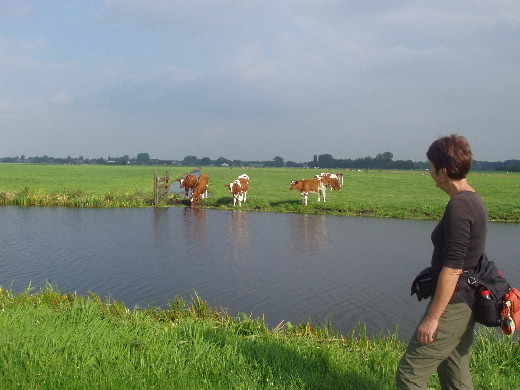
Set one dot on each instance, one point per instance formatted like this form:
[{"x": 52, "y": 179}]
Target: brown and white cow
[
  {"x": 188, "y": 183},
  {"x": 200, "y": 191},
  {"x": 330, "y": 180},
  {"x": 238, "y": 189},
  {"x": 309, "y": 186},
  {"x": 244, "y": 178},
  {"x": 340, "y": 177}
]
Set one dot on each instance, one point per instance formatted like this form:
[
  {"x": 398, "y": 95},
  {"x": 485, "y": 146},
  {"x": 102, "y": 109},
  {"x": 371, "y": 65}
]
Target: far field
[{"x": 374, "y": 193}]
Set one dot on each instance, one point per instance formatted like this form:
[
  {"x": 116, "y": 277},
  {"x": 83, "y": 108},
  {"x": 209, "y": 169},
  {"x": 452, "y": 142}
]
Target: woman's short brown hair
[{"x": 453, "y": 153}]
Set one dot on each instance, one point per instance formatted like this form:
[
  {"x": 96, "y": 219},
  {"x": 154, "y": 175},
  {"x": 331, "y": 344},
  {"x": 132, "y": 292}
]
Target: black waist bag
[
  {"x": 487, "y": 310},
  {"x": 425, "y": 282}
]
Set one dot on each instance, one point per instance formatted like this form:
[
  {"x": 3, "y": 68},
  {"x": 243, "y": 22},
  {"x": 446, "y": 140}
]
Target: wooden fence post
[
  {"x": 160, "y": 188},
  {"x": 155, "y": 192}
]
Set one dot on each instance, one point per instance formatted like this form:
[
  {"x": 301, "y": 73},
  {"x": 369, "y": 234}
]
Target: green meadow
[
  {"x": 374, "y": 193},
  {"x": 56, "y": 340},
  {"x": 383, "y": 194},
  {"x": 79, "y": 185},
  {"x": 53, "y": 340}
]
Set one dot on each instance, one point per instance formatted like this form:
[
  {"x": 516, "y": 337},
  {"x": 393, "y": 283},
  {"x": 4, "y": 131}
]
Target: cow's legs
[{"x": 304, "y": 199}]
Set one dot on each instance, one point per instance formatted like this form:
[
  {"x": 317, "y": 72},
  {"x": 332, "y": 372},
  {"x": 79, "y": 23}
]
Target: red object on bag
[{"x": 511, "y": 311}]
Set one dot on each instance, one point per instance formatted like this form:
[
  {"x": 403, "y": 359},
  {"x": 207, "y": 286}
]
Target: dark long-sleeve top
[{"x": 460, "y": 239}]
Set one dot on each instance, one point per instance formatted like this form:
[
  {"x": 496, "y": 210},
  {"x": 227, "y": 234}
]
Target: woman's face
[{"x": 437, "y": 177}]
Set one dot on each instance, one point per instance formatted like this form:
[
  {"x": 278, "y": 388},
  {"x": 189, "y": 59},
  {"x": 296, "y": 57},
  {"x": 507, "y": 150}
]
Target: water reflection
[
  {"x": 284, "y": 266},
  {"x": 195, "y": 224},
  {"x": 309, "y": 234},
  {"x": 238, "y": 235},
  {"x": 160, "y": 224}
]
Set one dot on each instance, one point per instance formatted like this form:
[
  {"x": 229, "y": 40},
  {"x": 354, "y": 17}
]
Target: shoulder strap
[{"x": 480, "y": 268}]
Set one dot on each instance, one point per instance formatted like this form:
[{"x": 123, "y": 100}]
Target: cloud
[
  {"x": 349, "y": 78},
  {"x": 15, "y": 10},
  {"x": 62, "y": 98},
  {"x": 251, "y": 65}
]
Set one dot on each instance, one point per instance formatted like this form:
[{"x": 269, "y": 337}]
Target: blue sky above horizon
[{"x": 258, "y": 79}]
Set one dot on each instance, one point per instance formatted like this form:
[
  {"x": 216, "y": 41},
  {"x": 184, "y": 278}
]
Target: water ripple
[{"x": 286, "y": 267}]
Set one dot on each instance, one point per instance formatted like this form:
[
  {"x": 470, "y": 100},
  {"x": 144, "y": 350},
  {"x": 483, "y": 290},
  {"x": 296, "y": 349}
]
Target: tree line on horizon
[{"x": 381, "y": 161}]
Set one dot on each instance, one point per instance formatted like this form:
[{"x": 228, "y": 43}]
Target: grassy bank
[
  {"x": 80, "y": 185},
  {"x": 383, "y": 194},
  {"x": 53, "y": 340}
]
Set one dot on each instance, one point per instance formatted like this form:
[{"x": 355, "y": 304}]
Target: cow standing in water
[
  {"x": 188, "y": 183},
  {"x": 309, "y": 186},
  {"x": 238, "y": 189},
  {"x": 200, "y": 191}
]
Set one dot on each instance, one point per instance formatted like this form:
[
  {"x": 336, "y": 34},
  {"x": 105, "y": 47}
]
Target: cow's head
[
  {"x": 334, "y": 183},
  {"x": 230, "y": 186}
]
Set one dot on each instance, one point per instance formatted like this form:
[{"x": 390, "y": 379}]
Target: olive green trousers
[{"x": 448, "y": 353}]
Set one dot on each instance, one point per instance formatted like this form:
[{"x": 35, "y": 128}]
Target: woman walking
[{"x": 443, "y": 338}]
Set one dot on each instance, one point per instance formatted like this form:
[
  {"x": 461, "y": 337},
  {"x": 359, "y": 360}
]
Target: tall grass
[{"x": 57, "y": 340}]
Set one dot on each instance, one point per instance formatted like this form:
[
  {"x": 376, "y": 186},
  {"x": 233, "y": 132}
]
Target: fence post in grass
[
  {"x": 155, "y": 193},
  {"x": 160, "y": 188}
]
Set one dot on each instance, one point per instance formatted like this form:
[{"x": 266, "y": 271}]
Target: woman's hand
[
  {"x": 427, "y": 330},
  {"x": 445, "y": 287}
]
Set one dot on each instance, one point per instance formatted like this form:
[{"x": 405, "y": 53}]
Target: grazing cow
[
  {"x": 309, "y": 186},
  {"x": 188, "y": 183},
  {"x": 324, "y": 174},
  {"x": 201, "y": 189},
  {"x": 340, "y": 177},
  {"x": 330, "y": 180},
  {"x": 238, "y": 189}
]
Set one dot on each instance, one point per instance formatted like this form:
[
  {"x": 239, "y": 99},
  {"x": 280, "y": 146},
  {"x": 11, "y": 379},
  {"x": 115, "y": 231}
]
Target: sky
[{"x": 256, "y": 79}]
